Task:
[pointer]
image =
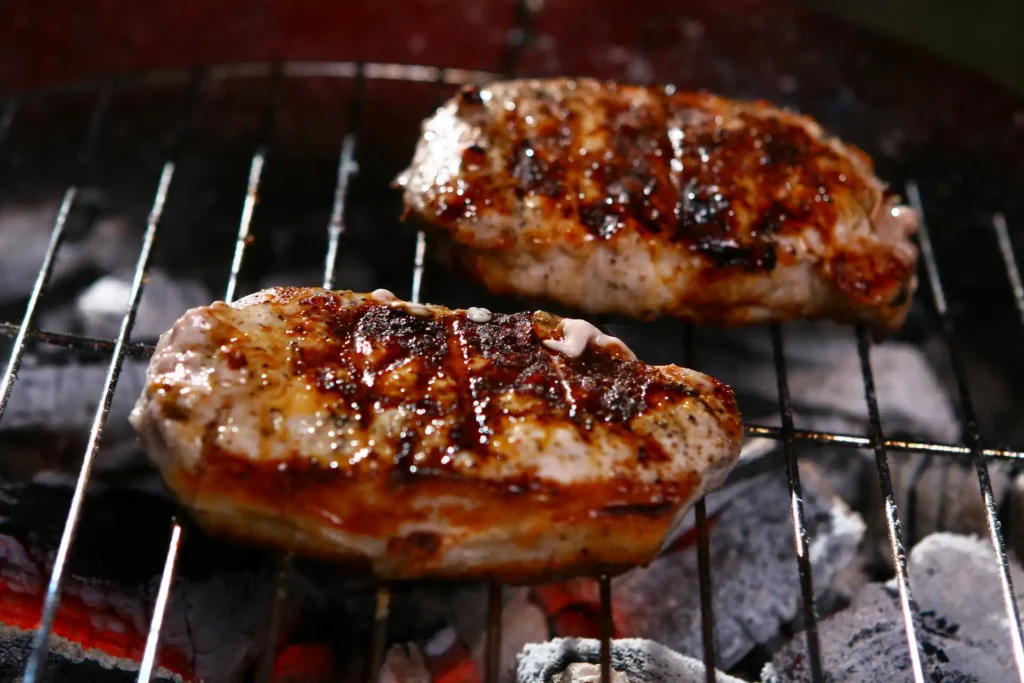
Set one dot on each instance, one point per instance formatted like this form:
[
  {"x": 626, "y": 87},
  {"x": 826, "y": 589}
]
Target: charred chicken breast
[
  {"x": 421, "y": 441},
  {"x": 647, "y": 201}
]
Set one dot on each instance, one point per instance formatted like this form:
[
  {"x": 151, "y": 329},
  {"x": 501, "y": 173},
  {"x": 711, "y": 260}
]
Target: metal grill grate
[{"x": 792, "y": 439}]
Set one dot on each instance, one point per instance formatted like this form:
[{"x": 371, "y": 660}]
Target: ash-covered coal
[
  {"x": 824, "y": 373},
  {"x": 751, "y": 544},
  {"x": 67, "y": 660},
  {"x": 576, "y": 660},
  {"x": 55, "y": 396},
  {"x": 215, "y": 624},
  {"x": 961, "y": 626},
  {"x": 51, "y": 399},
  {"x": 755, "y": 585},
  {"x": 932, "y": 493},
  {"x": 100, "y": 308},
  {"x": 54, "y": 400},
  {"x": 90, "y": 246},
  {"x": 938, "y": 493}
]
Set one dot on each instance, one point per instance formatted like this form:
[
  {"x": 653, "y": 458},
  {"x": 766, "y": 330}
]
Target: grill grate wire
[
  {"x": 892, "y": 520},
  {"x": 974, "y": 440},
  {"x": 700, "y": 512},
  {"x": 86, "y": 160},
  {"x": 241, "y": 242},
  {"x": 40, "y": 641},
  {"x": 801, "y": 536},
  {"x": 1010, "y": 261},
  {"x": 121, "y": 347},
  {"x": 493, "y": 646},
  {"x": 607, "y": 627}
]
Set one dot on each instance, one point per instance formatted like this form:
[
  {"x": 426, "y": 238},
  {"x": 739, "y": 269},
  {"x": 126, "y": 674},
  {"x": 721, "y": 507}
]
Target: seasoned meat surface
[
  {"x": 417, "y": 441},
  {"x": 647, "y": 201}
]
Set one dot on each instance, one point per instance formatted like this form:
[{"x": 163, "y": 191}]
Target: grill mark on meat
[
  {"x": 758, "y": 171},
  {"x": 369, "y": 343},
  {"x": 416, "y": 420},
  {"x": 720, "y": 189},
  {"x": 537, "y": 173}
]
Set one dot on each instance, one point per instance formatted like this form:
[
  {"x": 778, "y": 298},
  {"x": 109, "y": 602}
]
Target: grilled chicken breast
[
  {"x": 421, "y": 441},
  {"x": 647, "y": 202}
]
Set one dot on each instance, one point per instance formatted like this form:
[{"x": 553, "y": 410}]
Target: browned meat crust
[
  {"x": 646, "y": 201},
  {"x": 422, "y": 441}
]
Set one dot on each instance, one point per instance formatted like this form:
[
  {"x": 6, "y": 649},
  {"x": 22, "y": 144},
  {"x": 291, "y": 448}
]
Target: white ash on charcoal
[
  {"x": 215, "y": 625},
  {"x": 54, "y": 401},
  {"x": 824, "y": 372},
  {"x": 89, "y": 246},
  {"x": 67, "y": 662},
  {"x": 755, "y": 584},
  {"x": 60, "y": 401},
  {"x": 961, "y": 624},
  {"x": 936, "y": 493},
  {"x": 100, "y": 308},
  {"x": 576, "y": 660}
]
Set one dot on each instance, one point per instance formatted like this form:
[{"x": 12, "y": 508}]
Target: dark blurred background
[{"x": 983, "y": 34}]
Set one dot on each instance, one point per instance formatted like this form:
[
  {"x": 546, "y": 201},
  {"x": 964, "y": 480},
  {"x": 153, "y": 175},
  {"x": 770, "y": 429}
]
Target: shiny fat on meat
[
  {"x": 413, "y": 440},
  {"x": 644, "y": 202}
]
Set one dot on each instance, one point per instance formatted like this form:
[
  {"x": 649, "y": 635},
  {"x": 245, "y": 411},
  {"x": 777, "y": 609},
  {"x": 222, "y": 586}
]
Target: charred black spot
[
  {"x": 401, "y": 330},
  {"x": 772, "y": 220},
  {"x": 470, "y": 94},
  {"x": 652, "y": 452},
  {"x": 599, "y": 220},
  {"x": 643, "y": 509},
  {"x": 174, "y": 410},
  {"x": 374, "y": 357},
  {"x": 527, "y": 167},
  {"x": 785, "y": 148},
  {"x": 235, "y": 358},
  {"x": 902, "y": 294},
  {"x": 536, "y": 174},
  {"x": 724, "y": 254},
  {"x": 424, "y": 540}
]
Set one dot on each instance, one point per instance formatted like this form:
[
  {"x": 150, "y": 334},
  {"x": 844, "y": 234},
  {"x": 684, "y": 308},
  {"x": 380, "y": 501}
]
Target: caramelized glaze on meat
[
  {"x": 419, "y": 441},
  {"x": 647, "y": 201}
]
